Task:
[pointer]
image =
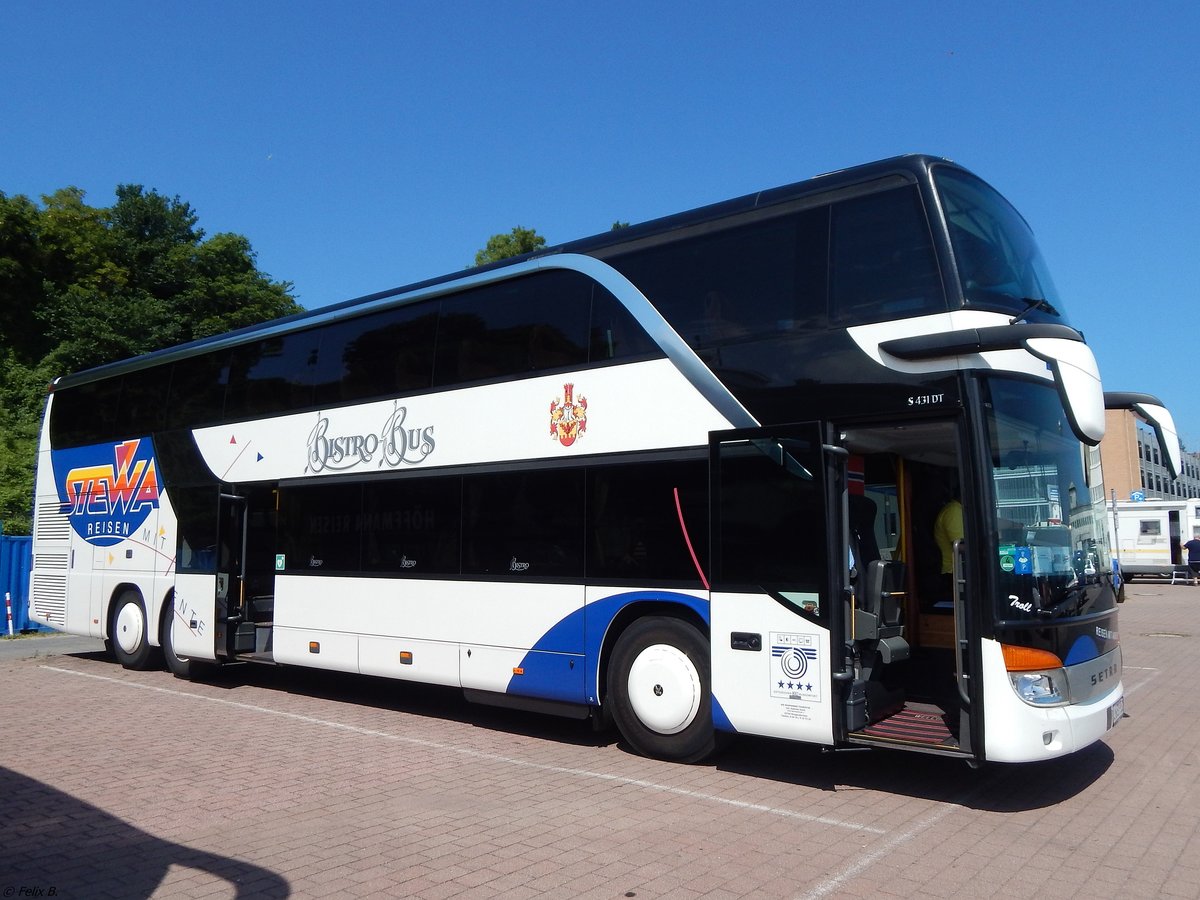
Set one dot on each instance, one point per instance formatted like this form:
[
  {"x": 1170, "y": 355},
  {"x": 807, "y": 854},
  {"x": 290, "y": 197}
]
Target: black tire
[
  {"x": 179, "y": 666},
  {"x": 129, "y": 635},
  {"x": 659, "y": 687}
]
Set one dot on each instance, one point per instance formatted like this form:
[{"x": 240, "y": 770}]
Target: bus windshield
[
  {"x": 1052, "y": 543},
  {"x": 999, "y": 263}
]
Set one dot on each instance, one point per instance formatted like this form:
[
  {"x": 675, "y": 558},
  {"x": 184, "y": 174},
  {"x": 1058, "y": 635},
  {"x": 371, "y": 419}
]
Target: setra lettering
[{"x": 1099, "y": 678}]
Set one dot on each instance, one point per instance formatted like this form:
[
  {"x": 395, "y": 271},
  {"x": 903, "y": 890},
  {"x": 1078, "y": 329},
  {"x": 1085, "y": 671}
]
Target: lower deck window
[{"x": 617, "y": 522}]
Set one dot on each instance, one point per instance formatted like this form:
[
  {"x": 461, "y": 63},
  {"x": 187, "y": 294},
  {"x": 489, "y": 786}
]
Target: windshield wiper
[
  {"x": 1074, "y": 599},
  {"x": 1032, "y": 305}
]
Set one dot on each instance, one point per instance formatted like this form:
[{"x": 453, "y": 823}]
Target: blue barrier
[{"x": 16, "y": 559}]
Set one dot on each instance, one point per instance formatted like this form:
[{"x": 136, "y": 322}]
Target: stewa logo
[{"x": 108, "y": 490}]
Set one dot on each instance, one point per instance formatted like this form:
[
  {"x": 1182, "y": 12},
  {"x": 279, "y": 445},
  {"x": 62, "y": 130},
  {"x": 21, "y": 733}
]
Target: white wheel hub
[
  {"x": 131, "y": 628},
  {"x": 664, "y": 689}
]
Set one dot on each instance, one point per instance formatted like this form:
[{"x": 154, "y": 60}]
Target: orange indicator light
[{"x": 1026, "y": 659}]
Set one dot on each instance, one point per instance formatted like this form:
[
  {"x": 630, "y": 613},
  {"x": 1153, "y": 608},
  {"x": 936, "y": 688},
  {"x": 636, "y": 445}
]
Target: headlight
[
  {"x": 1046, "y": 688},
  {"x": 1037, "y": 676}
]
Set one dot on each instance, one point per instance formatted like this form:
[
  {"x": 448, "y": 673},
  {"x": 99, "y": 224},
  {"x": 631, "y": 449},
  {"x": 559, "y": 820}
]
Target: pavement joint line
[
  {"x": 834, "y": 882},
  {"x": 886, "y": 848},
  {"x": 489, "y": 757},
  {"x": 1145, "y": 681},
  {"x": 831, "y": 884}
]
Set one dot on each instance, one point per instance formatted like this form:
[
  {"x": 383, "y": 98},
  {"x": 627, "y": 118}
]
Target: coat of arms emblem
[{"x": 568, "y": 416}]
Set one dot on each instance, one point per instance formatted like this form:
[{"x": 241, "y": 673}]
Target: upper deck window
[
  {"x": 724, "y": 286},
  {"x": 882, "y": 265},
  {"x": 513, "y": 327},
  {"x": 865, "y": 259},
  {"x": 999, "y": 264},
  {"x": 552, "y": 320}
]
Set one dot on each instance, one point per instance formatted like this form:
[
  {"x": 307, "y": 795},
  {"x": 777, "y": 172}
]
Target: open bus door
[
  {"x": 909, "y": 625},
  {"x": 831, "y": 619},
  {"x": 778, "y": 575},
  {"x": 231, "y": 568},
  {"x": 245, "y": 583}
]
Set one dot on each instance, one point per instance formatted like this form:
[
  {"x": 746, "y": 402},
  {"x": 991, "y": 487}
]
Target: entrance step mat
[{"x": 921, "y": 725}]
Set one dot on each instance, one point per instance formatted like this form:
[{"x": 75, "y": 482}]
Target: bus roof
[{"x": 913, "y": 166}]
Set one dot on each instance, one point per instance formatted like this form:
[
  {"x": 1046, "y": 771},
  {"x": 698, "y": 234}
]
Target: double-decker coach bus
[{"x": 816, "y": 463}]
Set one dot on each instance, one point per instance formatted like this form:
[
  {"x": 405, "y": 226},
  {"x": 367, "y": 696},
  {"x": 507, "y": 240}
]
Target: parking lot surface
[{"x": 276, "y": 782}]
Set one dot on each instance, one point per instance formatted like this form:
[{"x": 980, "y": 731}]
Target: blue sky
[{"x": 365, "y": 145}]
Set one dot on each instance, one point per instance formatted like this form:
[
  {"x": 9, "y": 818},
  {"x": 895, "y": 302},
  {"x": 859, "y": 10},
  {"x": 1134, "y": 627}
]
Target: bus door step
[
  {"x": 253, "y": 637},
  {"x": 917, "y": 726}
]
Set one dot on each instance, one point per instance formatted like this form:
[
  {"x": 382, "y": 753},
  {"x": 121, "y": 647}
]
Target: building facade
[{"x": 1133, "y": 464}]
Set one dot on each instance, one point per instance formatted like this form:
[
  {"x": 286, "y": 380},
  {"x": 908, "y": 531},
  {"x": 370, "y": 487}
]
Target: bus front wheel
[
  {"x": 659, "y": 685},
  {"x": 130, "y": 638}
]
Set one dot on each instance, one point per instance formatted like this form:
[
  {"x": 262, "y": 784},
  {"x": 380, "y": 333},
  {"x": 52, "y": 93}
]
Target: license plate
[{"x": 1115, "y": 712}]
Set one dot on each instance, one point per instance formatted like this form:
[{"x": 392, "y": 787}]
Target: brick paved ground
[{"x": 276, "y": 783}]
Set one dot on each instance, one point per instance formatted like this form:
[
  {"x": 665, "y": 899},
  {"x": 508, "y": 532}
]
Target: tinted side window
[
  {"x": 197, "y": 394},
  {"x": 882, "y": 263},
  {"x": 753, "y": 279},
  {"x": 272, "y": 375},
  {"x": 513, "y": 328},
  {"x": 634, "y": 526},
  {"x": 615, "y": 333},
  {"x": 380, "y": 355},
  {"x": 524, "y": 524},
  {"x": 772, "y": 522},
  {"x": 411, "y": 526},
  {"x": 197, "y": 512},
  {"x": 143, "y": 402},
  {"x": 320, "y": 527},
  {"x": 83, "y": 414}
]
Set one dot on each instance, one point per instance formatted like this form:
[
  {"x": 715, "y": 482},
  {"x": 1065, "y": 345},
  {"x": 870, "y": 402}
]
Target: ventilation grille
[
  {"x": 48, "y": 597},
  {"x": 55, "y": 561},
  {"x": 51, "y": 524}
]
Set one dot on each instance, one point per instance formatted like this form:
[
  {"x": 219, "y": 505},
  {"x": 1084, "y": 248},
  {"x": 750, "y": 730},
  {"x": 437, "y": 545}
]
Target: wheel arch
[
  {"x": 164, "y": 609},
  {"x": 631, "y": 612}
]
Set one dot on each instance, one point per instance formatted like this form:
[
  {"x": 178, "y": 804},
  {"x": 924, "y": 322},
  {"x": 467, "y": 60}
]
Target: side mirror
[{"x": 1060, "y": 347}]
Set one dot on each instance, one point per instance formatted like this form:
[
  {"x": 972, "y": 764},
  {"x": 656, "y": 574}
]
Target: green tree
[
  {"x": 81, "y": 286},
  {"x": 503, "y": 246},
  {"x": 20, "y": 271}
]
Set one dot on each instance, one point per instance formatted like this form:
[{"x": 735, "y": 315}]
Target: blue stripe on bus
[
  {"x": 546, "y": 681},
  {"x": 720, "y": 720},
  {"x": 1084, "y": 649}
]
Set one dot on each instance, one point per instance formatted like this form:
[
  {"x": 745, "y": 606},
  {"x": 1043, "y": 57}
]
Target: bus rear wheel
[
  {"x": 659, "y": 684},
  {"x": 130, "y": 639}
]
